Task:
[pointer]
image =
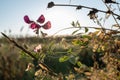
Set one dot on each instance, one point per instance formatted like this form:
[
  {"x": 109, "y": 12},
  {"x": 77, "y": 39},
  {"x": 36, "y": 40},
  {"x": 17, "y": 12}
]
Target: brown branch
[
  {"x": 20, "y": 47},
  {"x": 51, "y": 5}
]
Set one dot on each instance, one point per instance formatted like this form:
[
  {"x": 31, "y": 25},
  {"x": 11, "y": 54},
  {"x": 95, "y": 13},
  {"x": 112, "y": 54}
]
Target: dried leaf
[
  {"x": 39, "y": 72},
  {"x": 77, "y": 70},
  {"x": 101, "y": 35},
  {"x": 43, "y": 67},
  {"x": 116, "y": 25},
  {"x": 108, "y": 13},
  {"x": 88, "y": 73},
  {"x": 71, "y": 77},
  {"x": 92, "y": 13}
]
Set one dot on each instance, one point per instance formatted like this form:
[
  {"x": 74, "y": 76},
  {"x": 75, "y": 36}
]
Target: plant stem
[
  {"x": 85, "y": 27},
  {"x": 85, "y": 7}
]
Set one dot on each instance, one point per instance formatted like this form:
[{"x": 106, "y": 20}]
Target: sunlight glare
[{"x": 62, "y": 17}]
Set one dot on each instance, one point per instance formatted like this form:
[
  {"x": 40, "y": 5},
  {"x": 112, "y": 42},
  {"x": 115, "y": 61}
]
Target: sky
[{"x": 13, "y": 11}]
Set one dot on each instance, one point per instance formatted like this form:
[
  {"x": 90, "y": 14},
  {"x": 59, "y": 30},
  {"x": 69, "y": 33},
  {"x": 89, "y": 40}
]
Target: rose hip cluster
[{"x": 36, "y": 25}]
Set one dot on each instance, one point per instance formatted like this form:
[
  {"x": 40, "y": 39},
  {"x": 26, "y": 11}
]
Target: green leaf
[
  {"x": 78, "y": 24},
  {"x": 73, "y": 23},
  {"x": 63, "y": 58},
  {"x": 75, "y": 31},
  {"x": 79, "y": 64},
  {"x": 76, "y": 42},
  {"x": 86, "y": 29},
  {"x": 69, "y": 50}
]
